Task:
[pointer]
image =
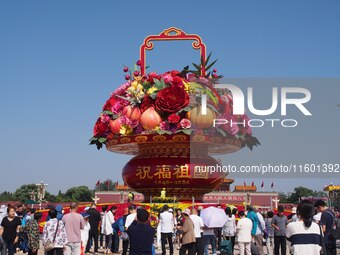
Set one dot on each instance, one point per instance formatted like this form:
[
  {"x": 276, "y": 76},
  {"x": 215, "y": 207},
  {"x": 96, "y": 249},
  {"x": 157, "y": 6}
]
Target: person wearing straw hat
[{"x": 188, "y": 232}]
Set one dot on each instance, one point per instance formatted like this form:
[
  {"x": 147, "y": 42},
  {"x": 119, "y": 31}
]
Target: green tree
[
  {"x": 79, "y": 194},
  {"x": 50, "y": 197},
  {"x": 6, "y": 196},
  {"x": 23, "y": 193},
  {"x": 300, "y": 192},
  {"x": 283, "y": 197},
  {"x": 107, "y": 185}
]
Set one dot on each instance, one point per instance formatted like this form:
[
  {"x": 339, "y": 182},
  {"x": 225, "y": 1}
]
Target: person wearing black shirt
[
  {"x": 94, "y": 220},
  {"x": 9, "y": 230},
  {"x": 326, "y": 222},
  {"x": 141, "y": 235}
]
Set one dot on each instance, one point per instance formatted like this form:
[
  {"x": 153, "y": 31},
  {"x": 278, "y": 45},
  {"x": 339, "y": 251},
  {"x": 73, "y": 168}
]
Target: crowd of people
[{"x": 310, "y": 229}]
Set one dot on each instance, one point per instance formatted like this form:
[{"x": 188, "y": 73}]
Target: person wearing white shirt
[
  {"x": 317, "y": 217},
  {"x": 84, "y": 233},
  {"x": 129, "y": 219},
  {"x": 304, "y": 234},
  {"x": 198, "y": 228},
  {"x": 229, "y": 227},
  {"x": 243, "y": 230},
  {"x": 166, "y": 220},
  {"x": 261, "y": 225},
  {"x": 107, "y": 229}
]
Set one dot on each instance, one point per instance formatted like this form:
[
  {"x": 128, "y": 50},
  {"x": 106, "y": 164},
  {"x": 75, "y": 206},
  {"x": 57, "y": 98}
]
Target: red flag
[
  {"x": 98, "y": 182},
  {"x": 108, "y": 184},
  {"x": 262, "y": 185},
  {"x": 116, "y": 183},
  {"x": 252, "y": 184},
  {"x": 272, "y": 186},
  {"x": 244, "y": 184}
]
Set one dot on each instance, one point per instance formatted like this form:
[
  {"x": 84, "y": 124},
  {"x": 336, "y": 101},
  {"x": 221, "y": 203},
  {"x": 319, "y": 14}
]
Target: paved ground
[{"x": 158, "y": 251}]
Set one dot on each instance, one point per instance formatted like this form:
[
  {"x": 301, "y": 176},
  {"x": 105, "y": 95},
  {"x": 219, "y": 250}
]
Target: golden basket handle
[{"x": 171, "y": 34}]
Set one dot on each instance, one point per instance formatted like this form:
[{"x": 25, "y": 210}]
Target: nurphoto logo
[{"x": 295, "y": 96}]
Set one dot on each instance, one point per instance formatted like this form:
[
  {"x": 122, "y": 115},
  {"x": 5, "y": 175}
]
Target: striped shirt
[{"x": 304, "y": 240}]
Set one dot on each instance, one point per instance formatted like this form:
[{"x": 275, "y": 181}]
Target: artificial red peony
[
  {"x": 174, "y": 118},
  {"x": 100, "y": 127},
  {"x": 174, "y": 73},
  {"x": 115, "y": 104},
  {"x": 177, "y": 81},
  {"x": 146, "y": 103},
  {"x": 171, "y": 99},
  {"x": 152, "y": 76}
]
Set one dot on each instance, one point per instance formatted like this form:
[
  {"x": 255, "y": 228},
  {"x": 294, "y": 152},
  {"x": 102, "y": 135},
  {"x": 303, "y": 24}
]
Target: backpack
[{"x": 254, "y": 249}]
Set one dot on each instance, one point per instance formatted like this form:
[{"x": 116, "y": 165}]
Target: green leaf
[
  {"x": 187, "y": 131},
  {"x": 186, "y": 109},
  {"x": 197, "y": 66},
  {"x": 99, "y": 145},
  {"x": 209, "y": 66},
  {"x": 102, "y": 139},
  {"x": 93, "y": 139},
  {"x": 207, "y": 59},
  {"x": 159, "y": 84},
  {"x": 162, "y": 132},
  {"x": 222, "y": 132},
  {"x": 156, "y": 80},
  {"x": 195, "y": 72},
  {"x": 212, "y": 108},
  {"x": 153, "y": 95},
  {"x": 107, "y": 112}
]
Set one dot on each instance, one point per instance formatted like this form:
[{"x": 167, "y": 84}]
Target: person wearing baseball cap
[{"x": 188, "y": 238}]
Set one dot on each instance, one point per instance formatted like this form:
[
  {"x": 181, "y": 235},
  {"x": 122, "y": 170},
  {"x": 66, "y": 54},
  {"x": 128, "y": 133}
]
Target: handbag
[
  {"x": 254, "y": 249},
  {"x": 50, "y": 245},
  {"x": 124, "y": 236},
  {"x": 226, "y": 246}
]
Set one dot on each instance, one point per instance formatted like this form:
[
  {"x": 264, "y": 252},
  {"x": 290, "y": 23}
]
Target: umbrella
[
  {"x": 213, "y": 217},
  {"x": 30, "y": 202}
]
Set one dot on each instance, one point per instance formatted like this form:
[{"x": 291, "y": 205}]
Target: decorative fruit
[
  {"x": 200, "y": 120},
  {"x": 132, "y": 112},
  {"x": 126, "y": 69},
  {"x": 150, "y": 119},
  {"x": 127, "y": 77},
  {"x": 115, "y": 125}
]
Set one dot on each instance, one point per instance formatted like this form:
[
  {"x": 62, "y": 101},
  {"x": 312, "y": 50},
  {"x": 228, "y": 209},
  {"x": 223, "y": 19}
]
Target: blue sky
[{"x": 60, "y": 60}]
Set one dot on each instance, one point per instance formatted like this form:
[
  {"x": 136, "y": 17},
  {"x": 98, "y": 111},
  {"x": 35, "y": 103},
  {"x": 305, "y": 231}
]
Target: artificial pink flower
[
  {"x": 231, "y": 127},
  {"x": 122, "y": 89},
  {"x": 185, "y": 123},
  {"x": 104, "y": 118},
  {"x": 118, "y": 105},
  {"x": 164, "y": 126},
  {"x": 167, "y": 78},
  {"x": 127, "y": 121}
]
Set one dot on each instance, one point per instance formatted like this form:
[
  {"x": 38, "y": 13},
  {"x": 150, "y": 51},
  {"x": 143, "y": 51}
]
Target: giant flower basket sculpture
[{"x": 158, "y": 118}]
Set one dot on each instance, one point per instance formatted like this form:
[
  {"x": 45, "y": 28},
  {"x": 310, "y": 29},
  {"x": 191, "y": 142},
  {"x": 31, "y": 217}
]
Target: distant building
[{"x": 240, "y": 196}]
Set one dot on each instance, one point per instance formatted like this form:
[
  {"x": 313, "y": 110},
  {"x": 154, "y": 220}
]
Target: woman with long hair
[
  {"x": 304, "y": 234},
  {"x": 229, "y": 227},
  {"x": 107, "y": 228}
]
